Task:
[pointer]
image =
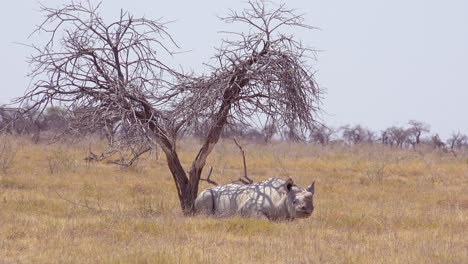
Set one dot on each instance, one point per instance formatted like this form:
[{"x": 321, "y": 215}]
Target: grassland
[{"x": 373, "y": 205}]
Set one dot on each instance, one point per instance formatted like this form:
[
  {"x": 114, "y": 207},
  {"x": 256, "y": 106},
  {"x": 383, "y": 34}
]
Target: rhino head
[
  {"x": 297, "y": 201},
  {"x": 304, "y": 201}
]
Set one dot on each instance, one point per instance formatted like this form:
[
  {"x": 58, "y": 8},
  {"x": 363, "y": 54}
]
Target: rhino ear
[
  {"x": 289, "y": 184},
  {"x": 311, "y": 188}
]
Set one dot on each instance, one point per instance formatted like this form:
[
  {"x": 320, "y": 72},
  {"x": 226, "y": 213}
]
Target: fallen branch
[
  {"x": 121, "y": 162},
  {"x": 95, "y": 158},
  {"x": 92, "y": 157},
  {"x": 100, "y": 209},
  {"x": 135, "y": 156}
]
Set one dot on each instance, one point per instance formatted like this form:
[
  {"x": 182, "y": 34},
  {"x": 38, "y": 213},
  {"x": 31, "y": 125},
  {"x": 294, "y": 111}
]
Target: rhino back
[{"x": 254, "y": 200}]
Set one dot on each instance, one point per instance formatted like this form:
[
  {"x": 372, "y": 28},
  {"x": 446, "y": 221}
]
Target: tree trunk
[
  {"x": 180, "y": 179},
  {"x": 187, "y": 187},
  {"x": 191, "y": 192}
]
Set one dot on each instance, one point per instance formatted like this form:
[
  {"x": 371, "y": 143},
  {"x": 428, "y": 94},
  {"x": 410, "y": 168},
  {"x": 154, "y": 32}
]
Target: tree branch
[{"x": 207, "y": 179}]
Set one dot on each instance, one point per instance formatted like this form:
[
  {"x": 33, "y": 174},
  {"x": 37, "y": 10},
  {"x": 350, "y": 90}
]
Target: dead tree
[
  {"x": 395, "y": 136},
  {"x": 457, "y": 141},
  {"x": 102, "y": 71},
  {"x": 269, "y": 130},
  {"x": 437, "y": 142},
  {"x": 321, "y": 135},
  {"x": 357, "y": 134},
  {"x": 415, "y": 131}
]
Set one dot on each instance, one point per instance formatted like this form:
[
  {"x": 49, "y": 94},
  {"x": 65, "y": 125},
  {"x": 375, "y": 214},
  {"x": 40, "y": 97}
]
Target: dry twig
[
  {"x": 207, "y": 179},
  {"x": 245, "y": 179}
]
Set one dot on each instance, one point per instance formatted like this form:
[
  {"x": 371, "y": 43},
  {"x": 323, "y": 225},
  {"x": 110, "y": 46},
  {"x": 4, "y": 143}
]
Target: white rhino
[{"x": 274, "y": 199}]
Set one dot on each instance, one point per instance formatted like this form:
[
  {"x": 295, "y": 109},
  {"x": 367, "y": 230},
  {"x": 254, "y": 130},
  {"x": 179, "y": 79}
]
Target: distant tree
[
  {"x": 12, "y": 121},
  {"x": 291, "y": 134},
  {"x": 254, "y": 135},
  {"x": 357, "y": 134},
  {"x": 415, "y": 131},
  {"x": 269, "y": 130},
  {"x": 437, "y": 142},
  {"x": 395, "y": 136},
  {"x": 321, "y": 135},
  {"x": 385, "y": 138},
  {"x": 115, "y": 71},
  {"x": 6, "y": 117},
  {"x": 241, "y": 130},
  {"x": 457, "y": 141},
  {"x": 55, "y": 119}
]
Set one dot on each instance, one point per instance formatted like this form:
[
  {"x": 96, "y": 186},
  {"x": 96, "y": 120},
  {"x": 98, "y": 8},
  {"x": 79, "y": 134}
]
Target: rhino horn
[{"x": 311, "y": 187}]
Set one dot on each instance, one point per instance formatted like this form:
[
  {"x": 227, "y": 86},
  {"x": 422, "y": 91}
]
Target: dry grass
[{"x": 373, "y": 205}]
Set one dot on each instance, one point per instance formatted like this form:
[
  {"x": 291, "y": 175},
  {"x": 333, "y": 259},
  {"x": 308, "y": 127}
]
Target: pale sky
[{"x": 381, "y": 63}]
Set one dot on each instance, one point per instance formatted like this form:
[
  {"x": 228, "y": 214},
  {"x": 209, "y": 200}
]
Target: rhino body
[{"x": 274, "y": 199}]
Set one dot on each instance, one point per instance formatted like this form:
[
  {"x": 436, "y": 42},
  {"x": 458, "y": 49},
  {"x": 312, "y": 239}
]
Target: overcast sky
[{"x": 381, "y": 63}]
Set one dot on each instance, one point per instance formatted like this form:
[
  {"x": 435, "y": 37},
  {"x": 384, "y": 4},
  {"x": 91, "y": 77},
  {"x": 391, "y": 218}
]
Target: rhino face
[{"x": 304, "y": 202}]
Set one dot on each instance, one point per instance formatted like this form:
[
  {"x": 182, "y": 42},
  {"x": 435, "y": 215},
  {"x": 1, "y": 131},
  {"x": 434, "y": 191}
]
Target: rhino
[{"x": 273, "y": 199}]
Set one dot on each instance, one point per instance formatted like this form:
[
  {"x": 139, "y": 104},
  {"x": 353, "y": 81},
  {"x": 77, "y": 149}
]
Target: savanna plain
[{"x": 373, "y": 204}]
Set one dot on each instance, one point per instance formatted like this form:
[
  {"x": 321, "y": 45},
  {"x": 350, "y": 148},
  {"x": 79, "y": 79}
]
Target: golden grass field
[{"x": 373, "y": 205}]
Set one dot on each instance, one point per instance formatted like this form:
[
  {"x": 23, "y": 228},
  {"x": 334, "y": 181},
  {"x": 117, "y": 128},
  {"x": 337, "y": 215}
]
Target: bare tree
[
  {"x": 457, "y": 141},
  {"x": 385, "y": 137},
  {"x": 105, "y": 71},
  {"x": 240, "y": 130},
  {"x": 55, "y": 119},
  {"x": 321, "y": 135},
  {"x": 357, "y": 134},
  {"x": 12, "y": 121},
  {"x": 7, "y": 115},
  {"x": 437, "y": 142},
  {"x": 269, "y": 130},
  {"x": 395, "y": 136},
  {"x": 417, "y": 128}
]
